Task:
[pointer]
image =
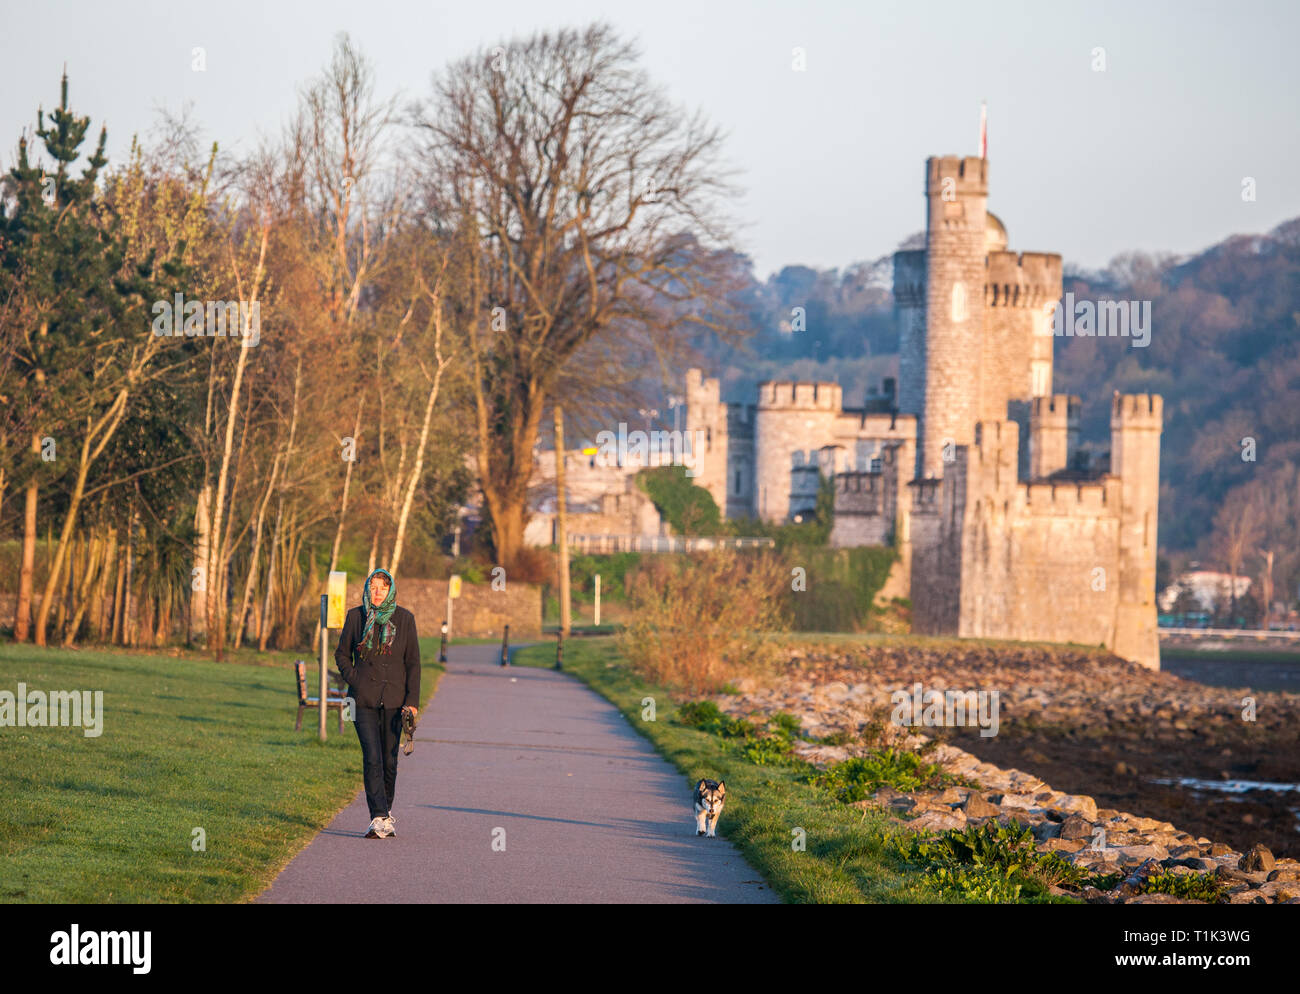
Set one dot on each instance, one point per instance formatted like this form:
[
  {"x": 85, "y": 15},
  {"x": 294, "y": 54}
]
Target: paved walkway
[{"x": 590, "y": 812}]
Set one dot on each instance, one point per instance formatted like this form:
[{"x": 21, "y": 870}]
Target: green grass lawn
[
  {"x": 845, "y": 860},
  {"x": 187, "y": 744}
]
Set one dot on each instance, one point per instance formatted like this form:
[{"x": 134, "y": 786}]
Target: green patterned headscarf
[{"x": 382, "y": 614}]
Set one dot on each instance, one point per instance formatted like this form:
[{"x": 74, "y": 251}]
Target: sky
[{"x": 1148, "y": 152}]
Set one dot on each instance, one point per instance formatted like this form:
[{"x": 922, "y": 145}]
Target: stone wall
[{"x": 479, "y": 612}]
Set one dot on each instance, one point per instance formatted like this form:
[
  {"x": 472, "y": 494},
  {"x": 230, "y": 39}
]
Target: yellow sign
[
  {"x": 453, "y": 586},
  {"x": 337, "y": 595}
]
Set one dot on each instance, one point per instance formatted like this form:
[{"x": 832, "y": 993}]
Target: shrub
[
  {"x": 689, "y": 509},
  {"x": 1192, "y": 886},
  {"x": 858, "y": 778},
  {"x": 698, "y": 619},
  {"x": 990, "y": 863}
]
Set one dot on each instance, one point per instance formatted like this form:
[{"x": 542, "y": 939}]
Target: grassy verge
[
  {"x": 186, "y": 744},
  {"x": 850, "y": 855}
]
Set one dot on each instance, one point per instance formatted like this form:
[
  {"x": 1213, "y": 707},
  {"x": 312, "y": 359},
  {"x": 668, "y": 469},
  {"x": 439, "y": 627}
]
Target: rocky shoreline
[{"x": 849, "y": 692}]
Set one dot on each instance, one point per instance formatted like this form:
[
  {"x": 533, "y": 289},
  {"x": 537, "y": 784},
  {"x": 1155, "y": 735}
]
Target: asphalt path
[{"x": 525, "y": 786}]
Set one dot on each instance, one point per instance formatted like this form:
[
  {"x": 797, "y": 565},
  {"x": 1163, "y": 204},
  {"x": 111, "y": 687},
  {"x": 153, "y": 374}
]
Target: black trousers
[{"x": 380, "y": 732}]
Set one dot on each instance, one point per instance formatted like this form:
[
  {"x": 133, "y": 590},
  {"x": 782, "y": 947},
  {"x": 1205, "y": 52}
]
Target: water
[{"x": 1229, "y": 786}]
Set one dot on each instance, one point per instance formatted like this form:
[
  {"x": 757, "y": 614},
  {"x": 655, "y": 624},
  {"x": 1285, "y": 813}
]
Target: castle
[{"x": 995, "y": 538}]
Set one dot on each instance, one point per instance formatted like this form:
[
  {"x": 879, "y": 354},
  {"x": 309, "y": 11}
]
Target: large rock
[
  {"x": 1258, "y": 859},
  {"x": 977, "y": 807},
  {"x": 1045, "y": 830},
  {"x": 1140, "y": 854},
  {"x": 1078, "y": 804},
  {"x": 938, "y": 821},
  {"x": 1062, "y": 845},
  {"x": 1076, "y": 827}
]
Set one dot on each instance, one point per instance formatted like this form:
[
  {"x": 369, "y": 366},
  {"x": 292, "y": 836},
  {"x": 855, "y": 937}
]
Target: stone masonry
[{"x": 969, "y": 468}]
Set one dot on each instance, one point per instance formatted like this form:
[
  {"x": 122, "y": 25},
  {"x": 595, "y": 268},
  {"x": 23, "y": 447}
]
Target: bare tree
[{"x": 596, "y": 209}]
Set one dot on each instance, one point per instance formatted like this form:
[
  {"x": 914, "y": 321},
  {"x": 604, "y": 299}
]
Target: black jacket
[{"x": 386, "y": 676}]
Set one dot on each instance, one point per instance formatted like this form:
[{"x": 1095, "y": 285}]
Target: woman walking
[{"x": 379, "y": 656}]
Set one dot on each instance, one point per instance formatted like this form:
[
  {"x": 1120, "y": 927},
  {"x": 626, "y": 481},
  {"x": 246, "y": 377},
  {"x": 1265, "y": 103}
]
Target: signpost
[
  {"x": 331, "y": 616},
  {"x": 453, "y": 591},
  {"x": 596, "y": 620}
]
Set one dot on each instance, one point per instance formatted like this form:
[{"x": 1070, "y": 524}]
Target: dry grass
[{"x": 697, "y": 620}]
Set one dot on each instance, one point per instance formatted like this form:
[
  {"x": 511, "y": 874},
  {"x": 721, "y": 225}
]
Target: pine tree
[{"x": 75, "y": 304}]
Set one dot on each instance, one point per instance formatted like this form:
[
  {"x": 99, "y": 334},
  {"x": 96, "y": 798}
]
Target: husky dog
[{"x": 709, "y": 798}]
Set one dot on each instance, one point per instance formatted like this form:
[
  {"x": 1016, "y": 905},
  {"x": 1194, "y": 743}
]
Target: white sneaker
[
  {"x": 378, "y": 828},
  {"x": 390, "y": 827}
]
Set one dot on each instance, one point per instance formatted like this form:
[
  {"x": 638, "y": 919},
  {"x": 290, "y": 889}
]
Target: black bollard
[
  {"x": 505, "y": 647},
  {"x": 559, "y": 650},
  {"x": 442, "y": 655}
]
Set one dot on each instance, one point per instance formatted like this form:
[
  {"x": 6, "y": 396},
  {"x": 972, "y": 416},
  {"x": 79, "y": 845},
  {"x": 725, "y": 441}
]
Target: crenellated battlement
[
  {"x": 1025, "y": 279},
  {"x": 969, "y": 173},
  {"x": 1137, "y": 410},
  {"x": 909, "y": 278},
  {"x": 789, "y": 396},
  {"x": 700, "y": 390},
  {"x": 1099, "y": 498},
  {"x": 1057, "y": 409}
]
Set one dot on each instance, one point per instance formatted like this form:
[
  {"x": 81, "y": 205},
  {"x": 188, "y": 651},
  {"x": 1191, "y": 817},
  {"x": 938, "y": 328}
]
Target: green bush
[
  {"x": 989, "y": 863},
  {"x": 1191, "y": 886},
  {"x": 689, "y": 509},
  {"x": 859, "y": 778}
]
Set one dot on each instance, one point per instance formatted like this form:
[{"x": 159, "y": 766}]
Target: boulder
[
  {"x": 1076, "y": 827},
  {"x": 1078, "y": 804},
  {"x": 1140, "y": 854},
  {"x": 977, "y": 807},
  {"x": 1258, "y": 859},
  {"x": 1062, "y": 845},
  {"x": 1046, "y": 830},
  {"x": 938, "y": 821}
]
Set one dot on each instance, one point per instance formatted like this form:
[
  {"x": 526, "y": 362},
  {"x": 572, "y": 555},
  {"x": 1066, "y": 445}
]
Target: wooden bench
[{"x": 335, "y": 700}]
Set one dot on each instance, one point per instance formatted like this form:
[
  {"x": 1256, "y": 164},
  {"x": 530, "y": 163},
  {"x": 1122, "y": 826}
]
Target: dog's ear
[
  {"x": 722, "y": 787},
  {"x": 700, "y": 785}
]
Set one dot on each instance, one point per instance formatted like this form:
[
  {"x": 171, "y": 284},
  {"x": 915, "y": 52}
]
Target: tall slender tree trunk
[
  {"x": 101, "y": 590},
  {"x": 219, "y": 534},
  {"x": 26, "y": 573},
  {"x": 561, "y": 535},
  {"x": 251, "y": 581}
]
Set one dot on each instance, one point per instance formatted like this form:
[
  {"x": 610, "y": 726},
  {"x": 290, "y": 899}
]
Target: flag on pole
[{"x": 984, "y": 129}]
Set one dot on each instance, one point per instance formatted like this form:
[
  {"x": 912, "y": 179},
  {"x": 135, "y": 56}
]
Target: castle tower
[
  {"x": 1135, "y": 425},
  {"x": 956, "y": 192},
  {"x": 794, "y": 421},
  {"x": 706, "y": 422},
  {"x": 909, "y": 313},
  {"x": 1020, "y": 294},
  {"x": 1053, "y": 433}
]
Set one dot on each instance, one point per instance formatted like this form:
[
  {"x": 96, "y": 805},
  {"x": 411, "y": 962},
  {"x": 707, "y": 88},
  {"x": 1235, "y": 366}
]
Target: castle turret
[
  {"x": 956, "y": 192},
  {"x": 1020, "y": 293},
  {"x": 1135, "y": 425},
  {"x": 1053, "y": 433},
  {"x": 706, "y": 428}
]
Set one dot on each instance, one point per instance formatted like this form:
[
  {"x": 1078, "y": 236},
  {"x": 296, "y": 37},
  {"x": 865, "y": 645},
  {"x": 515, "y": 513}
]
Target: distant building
[{"x": 1207, "y": 587}]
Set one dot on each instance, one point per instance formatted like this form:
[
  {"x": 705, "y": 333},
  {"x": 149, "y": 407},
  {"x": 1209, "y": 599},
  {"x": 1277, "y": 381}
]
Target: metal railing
[
  {"x": 589, "y": 544},
  {"x": 1249, "y": 634}
]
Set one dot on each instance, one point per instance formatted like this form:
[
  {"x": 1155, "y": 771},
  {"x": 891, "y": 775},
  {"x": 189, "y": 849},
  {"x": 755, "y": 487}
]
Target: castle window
[
  {"x": 1040, "y": 372},
  {"x": 959, "y": 310},
  {"x": 737, "y": 491}
]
